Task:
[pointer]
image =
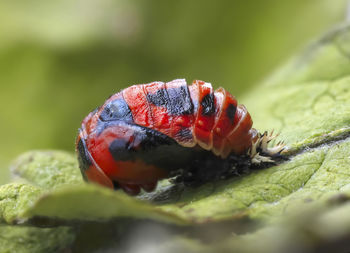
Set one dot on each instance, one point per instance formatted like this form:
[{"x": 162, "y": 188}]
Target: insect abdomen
[
  {"x": 148, "y": 132},
  {"x": 221, "y": 126},
  {"x": 192, "y": 115}
]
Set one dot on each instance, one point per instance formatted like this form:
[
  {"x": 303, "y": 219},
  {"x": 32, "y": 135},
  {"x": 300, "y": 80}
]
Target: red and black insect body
[{"x": 151, "y": 131}]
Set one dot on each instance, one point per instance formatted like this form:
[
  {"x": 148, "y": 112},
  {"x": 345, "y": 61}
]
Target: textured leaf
[
  {"x": 56, "y": 177},
  {"x": 47, "y": 169},
  {"x": 94, "y": 203},
  {"x": 38, "y": 240},
  {"x": 15, "y": 198},
  {"x": 308, "y": 101},
  {"x": 274, "y": 191}
]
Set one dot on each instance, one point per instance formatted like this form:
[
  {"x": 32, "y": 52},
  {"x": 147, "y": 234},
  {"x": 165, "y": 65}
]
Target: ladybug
[{"x": 153, "y": 131}]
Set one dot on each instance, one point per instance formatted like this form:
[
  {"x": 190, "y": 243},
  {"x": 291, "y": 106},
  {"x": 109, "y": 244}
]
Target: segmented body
[{"x": 143, "y": 132}]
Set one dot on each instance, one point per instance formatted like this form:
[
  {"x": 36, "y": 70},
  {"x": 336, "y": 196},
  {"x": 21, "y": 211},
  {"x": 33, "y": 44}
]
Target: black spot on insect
[
  {"x": 116, "y": 110},
  {"x": 185, "y": 134},
  {"x": 208, "y": 105},
  {"x": 144, "y": 140},
  {"x": 150, "y": 139},
  {"x": 160, "y": 98},
  {"x": 151, "y": 147},
  {"x": 180, "y": 101},
  {"x": 83, "y": 156},
  {"x": 121, "y": 150},
  {"x": 176, "y": 100},
  {"x": 230, "y": 112}
]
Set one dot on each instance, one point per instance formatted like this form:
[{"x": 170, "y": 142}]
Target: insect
[{"x": 149, "y": 132}]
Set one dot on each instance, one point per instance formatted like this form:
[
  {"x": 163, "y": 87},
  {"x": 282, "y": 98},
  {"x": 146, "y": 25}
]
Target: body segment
[{"x": 144, "y": 132}]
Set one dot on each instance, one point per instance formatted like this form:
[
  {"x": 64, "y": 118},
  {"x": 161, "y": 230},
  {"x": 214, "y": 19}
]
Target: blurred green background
[{"x": 60, "y": 59}]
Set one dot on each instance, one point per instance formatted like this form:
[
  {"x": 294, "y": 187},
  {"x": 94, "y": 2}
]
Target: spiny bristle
[
  {"x": 260, "y": 152},
  {"x": 259, "y": 159}
]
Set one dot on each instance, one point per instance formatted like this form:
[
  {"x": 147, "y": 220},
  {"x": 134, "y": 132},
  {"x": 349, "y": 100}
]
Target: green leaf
[
  {"x": 56, "y": 177},
  {"x": 32, "y": 239},
  {"x": 308, "y": 177},
  {"x": 307, "y": 101},
  {"x": 15, "y": 198},
  {"x": 47, "y": 169},
  {"x": 84, "y": 203}
]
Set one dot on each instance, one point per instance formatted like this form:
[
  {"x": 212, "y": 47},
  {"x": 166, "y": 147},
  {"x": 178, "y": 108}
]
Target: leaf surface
[{"x": 307, "y": 101}]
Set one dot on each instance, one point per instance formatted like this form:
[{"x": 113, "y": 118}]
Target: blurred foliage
[
  {"x": 60, "y": 59},
  {"x": 301, "y": 205}
]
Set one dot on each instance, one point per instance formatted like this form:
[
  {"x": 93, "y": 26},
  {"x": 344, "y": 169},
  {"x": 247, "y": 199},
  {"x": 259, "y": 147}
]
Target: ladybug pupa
[{"x": 153, "y": 131}]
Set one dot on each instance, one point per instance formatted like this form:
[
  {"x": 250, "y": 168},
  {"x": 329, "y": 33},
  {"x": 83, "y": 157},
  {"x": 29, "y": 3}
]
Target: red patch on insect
[{"x": 146, "y": 132}]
